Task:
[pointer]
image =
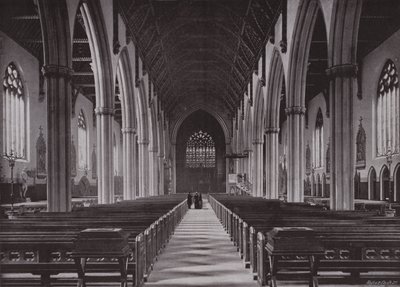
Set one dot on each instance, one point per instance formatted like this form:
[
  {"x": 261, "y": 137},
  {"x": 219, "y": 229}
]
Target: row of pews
[
  {"x": 43, "y": 243},
  {"x": 351, "y": 244}
]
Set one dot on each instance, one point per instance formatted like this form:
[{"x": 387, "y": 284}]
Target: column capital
[
  {"x": 57, "y": 71},
  {"x": 295, "y": 110},
  {"x": 143, "y": 142},
  {"x": 271, "y": 130},
  {"x": 128, "y": 131},
  {"x": 343, "y": 70},
  {"x": 104, "y": 111}
]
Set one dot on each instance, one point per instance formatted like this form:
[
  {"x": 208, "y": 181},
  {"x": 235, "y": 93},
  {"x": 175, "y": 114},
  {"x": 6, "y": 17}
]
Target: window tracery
[
  {"x": 318, "y": 140},
  {"x": 14, "y": 112},
  {"x": 200, "y": 151},
  {"x": 83, "y": 139},
  {"x": 387, "y": 113}
]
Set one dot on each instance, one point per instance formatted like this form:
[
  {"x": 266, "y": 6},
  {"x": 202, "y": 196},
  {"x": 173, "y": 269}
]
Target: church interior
[{"x": 278, "y": 119}]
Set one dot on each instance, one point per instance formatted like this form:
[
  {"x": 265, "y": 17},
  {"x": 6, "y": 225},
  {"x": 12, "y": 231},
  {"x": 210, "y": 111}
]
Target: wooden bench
[
  {"x": 354, "y": 242},
  {"x": 42, "y": 244}
]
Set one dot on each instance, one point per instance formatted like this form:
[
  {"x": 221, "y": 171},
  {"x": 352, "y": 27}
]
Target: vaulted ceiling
[{"x": 200, "y": 50}]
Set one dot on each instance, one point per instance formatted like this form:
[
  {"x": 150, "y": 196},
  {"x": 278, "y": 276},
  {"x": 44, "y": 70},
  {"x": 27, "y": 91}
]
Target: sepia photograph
[{"x": 199, "y": 143}]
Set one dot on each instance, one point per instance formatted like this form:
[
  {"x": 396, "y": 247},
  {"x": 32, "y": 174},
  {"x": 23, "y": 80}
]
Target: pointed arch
[
  {"x": 248, "y": 128},
  {"x": 373, "y": 186},
  {"x": 190, "y": 110},
  {"x": 275, "y": 174},
  {"x": 275, "y": 83},
  {"x": 96, "y": 31},
  {"x": 125, "y": 80},
  {"x": 259, "y": 111},
  {"x": 384, "y": 179},
  {"x": 142, "y": 113},
  {"x": 299, "y": 52}
]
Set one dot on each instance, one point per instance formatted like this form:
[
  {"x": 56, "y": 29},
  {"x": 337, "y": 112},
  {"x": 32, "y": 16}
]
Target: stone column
[
  {"x": 161, "y": 190},
  {"x": 343, "y": 85},
  {"x": 129, "y": 159},
  {"x": 173, "y": 167},
  {"x": 59, "y": 137},
  {"x": 295, "y": 166},
  {"x": 258, "y": 168},
  {"x": 272, "y": 163},
  {"x": 143, "y": 168},
  {"x": 249, "y": 165},
  {"x": 105, "y": 161},
  {"x": 153, "y": 172}
]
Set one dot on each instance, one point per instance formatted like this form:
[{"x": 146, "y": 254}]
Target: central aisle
[{"x": 200, "y": 253}]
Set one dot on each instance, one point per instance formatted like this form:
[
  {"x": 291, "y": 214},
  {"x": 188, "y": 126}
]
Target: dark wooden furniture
[
  {"x": 293, "y": 242},
  {"x": 104, "y": 244}
]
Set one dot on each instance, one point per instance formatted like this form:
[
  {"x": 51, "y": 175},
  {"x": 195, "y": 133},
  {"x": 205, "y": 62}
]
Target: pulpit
[
  {"x": 293, "y": 243},
  {"x": 109, "y": 244}
]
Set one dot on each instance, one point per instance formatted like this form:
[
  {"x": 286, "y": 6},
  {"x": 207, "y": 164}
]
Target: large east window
[
  {"x": 387, "y": 112},
  {"x": 14, "y": 113},
  {"x": 318, "y": 140},
  {"x": 83, "y": 142},
  {"x": 200, "y": 151}
]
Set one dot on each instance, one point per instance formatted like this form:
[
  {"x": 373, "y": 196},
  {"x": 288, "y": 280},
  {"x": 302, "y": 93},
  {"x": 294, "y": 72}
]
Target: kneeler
[
  {"x": 289, "y": 242},
  {"x": 105, "y": 244}
]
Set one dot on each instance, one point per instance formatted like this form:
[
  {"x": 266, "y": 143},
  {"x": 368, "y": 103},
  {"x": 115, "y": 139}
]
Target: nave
[
  {"x": 200, "y": 253},
  {"x": 226, "y": 243}
]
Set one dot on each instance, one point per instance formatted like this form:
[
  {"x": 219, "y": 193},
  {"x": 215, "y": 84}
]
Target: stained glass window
[
  {"x": 200, "y": 151},
  {"x": 14, "y": 112},
  {"x": 83, "y": 141},
  {"x": 388, "y": 111},
  {"x": 318, "y": 140}
]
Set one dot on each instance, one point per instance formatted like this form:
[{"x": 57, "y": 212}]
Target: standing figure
[
  {"x": 200, "y": 201},
  {"x": 196, "y": 200},
  {"x": 189, "y": 200}
]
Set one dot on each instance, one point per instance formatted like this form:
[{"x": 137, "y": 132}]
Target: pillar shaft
[
  {"x": 129, "y": 160},
  {"x": 258, "y": 169},
  {"x": 153, "y": 172},
  {"x": 143, "y": 168},
  {"x": 161, "y": 175},
  {"x": 342, "y": 88},
  {"x": 105, "y": 161},
  {"x": 272, "y": 163},
  {"x": 59, "y": 137},
  {"x": 173, "y": 163},
  {"x": 295, "y": 119}
]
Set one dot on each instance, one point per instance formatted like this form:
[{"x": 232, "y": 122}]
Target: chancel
[{"x": 279, "y": 119}]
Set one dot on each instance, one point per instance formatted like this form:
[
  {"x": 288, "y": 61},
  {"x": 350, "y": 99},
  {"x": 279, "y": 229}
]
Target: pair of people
[{"x": 198, "y": 200}]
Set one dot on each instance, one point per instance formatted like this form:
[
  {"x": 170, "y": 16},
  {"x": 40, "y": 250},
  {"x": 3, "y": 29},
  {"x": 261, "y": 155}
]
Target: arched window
[
  {"x": 374, "y": 193},
  {"x": 200, "y": 151},
  {"x": 318, "y": 140},
  {"x": 83, "y": 142},
  {"x": 387, "y": 112},
  {"x": 14, "y": 113}
]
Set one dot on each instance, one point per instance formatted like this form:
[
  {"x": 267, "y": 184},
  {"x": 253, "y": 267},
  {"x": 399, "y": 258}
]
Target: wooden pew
[
  {"x": 42, "y": 244},
  {"x": 354, "y": 242}
]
